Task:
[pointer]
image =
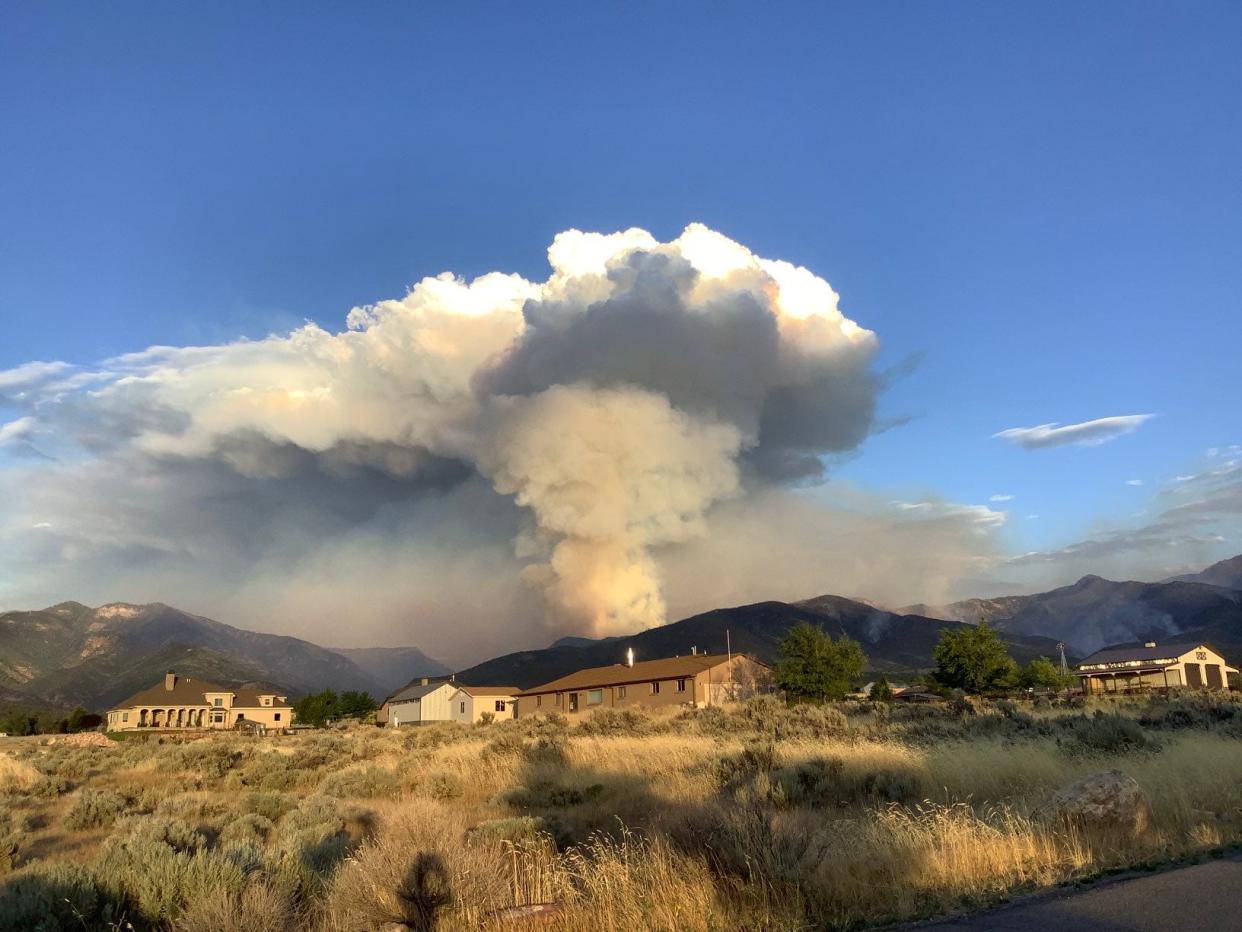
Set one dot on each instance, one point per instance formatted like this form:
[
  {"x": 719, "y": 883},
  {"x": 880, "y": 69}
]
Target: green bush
[
  {"x": 95, "y": 808},
  {"x": 1104, "y": 733},
  {"x": 365, "y": 783},
  {"x": 247, "y": 828},
  {"x": 157, "y": 881},
  {"x": 54, "y": 897},
  {"x": 175, "y": 833},
  {"x": 508, "y": 743},
  {"x": 546, "y": 794},
  {"x": 617, "y": 722},
  {"x": 733, "y": 770},
  {"x": 271, "y": 806}
]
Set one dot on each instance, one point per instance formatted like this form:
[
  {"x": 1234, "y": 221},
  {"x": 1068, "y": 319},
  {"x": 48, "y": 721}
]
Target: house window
[
  {"x": 500, "y": 705},
  {"x": 620, "y": 692},
  {"x": 217, "y": 717},
  {"x": 595, "y": 697},
  {"x": 462, "y": 705},
  {"x": 655, "y": 688},
  {"x": 538, "y": 701},
  {"x": 276, "y": 717},
  {"x": 218, "y": 703},
  {"x": 681, "y": 686},
  {"x": 573, "y": 702},
  {"x": 125, "y": 716}
]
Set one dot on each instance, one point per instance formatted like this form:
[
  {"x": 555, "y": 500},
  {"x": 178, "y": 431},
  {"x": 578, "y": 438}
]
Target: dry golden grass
[{"x": 697, "y": 823}]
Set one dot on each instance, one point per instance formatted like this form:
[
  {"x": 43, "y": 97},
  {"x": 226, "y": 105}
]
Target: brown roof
[
  {"x": 189, "y": 691},
  {"x": 489, "y": 690},
  {"x": 619, "y": 674}
]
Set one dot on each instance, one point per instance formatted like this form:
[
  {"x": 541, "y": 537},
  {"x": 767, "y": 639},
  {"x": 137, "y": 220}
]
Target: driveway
[{"x": 1203, "y": 896}]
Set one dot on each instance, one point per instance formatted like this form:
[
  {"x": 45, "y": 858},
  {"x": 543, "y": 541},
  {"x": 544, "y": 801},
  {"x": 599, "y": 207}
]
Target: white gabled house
[{"x": 416, "y": 704}]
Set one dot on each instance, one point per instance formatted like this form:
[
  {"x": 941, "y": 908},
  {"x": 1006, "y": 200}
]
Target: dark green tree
[
  {"x": 1042, "y": 673},
  {"x": 974, "y": 659},
  {"x": 317, "y": 709},
  {"x": 881, "y": 691},
  {"x": 355, "y": 704},
  {"x": 813, "y": 667}
]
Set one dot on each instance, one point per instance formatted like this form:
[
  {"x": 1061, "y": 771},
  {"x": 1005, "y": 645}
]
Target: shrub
[
  {"x": 616, "y": 722},
  {"x": 547, "y": 749},
  {"x": 546, "y": 794},
  {"x": 1194, "y": 710},
  {"x": 158, "y": 881},
  {"x": 212, "y": 759},
  {"x": 419, "y": 866},
  {"x": 515, "y": 830},
  {"x": 176, "y": 834},
  {"x": 249, "y": 828},
  {"x": 507, "y": 743},
  {"x": 53, "y": 897},
  {"x": 733, "y": 770},
  {"x": 443, "y": 786},
  {"x": 261, "y": 907},
  {"x": 95, "y": 808},
  {"x": 271, "y": 806},
  {"x": 1104, "y": 733},
  {"x": 366, "y": 783}
]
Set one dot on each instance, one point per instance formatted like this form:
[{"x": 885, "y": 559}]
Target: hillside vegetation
[
  {"x": 755, "y": 816},
  {"x": 70, "y": 654}
]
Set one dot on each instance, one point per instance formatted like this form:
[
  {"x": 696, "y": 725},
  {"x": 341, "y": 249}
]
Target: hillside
[
  {"x": 895, "y": 644},
  {"x": 1227, "y": 574},
  {"x": 1095, "y": 612},
  {"x": 71, "y": 654},
  {"x": 393, "y": 666}
]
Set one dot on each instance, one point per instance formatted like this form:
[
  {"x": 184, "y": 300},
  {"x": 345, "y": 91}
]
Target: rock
[{"x": 1108, "y": 801}]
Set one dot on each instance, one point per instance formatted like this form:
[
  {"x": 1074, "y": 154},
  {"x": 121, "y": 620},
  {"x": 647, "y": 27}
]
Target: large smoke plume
[{"x": 610, "y": 407}]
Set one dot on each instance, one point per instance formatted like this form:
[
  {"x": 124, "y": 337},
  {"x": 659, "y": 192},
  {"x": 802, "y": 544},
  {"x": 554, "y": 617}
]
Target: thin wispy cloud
[
  {"x": 1087, "y": 434},
  {"x": 1134, "y": 482},
  {"x": 1000, "y": 498}
]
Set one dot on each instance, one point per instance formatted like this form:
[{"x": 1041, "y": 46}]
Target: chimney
[
  {"x": 170, "y": 680},
  {"x": 629, "y": 657},
  {"x": 1150, "y": 644},
  {"x": 424, "y": 681},
  {"x": 694, "y": 651}
]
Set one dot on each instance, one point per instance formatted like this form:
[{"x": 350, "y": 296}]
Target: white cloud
[
  {"x": 17, "y": 431},
  {"x": 1000, "y": 498},
  {"x": 602, "y": 413},
  {"x": 1088, "y": 433},
  {"x": 1134, "y": 482}
]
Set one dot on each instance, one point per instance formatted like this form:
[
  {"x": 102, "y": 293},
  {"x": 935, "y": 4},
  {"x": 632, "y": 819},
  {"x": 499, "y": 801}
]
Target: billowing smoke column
[{"x": 614, "y": 402}]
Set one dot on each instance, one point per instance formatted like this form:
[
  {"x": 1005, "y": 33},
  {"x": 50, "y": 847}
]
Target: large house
[
  {"x": 470, "y": 703},
  {"x": 694, "y": 680},
  {"x": 1149, "y": 665},
  {"x": 181, "y": 703}
]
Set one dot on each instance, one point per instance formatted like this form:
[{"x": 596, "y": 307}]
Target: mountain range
[
  {"x": 1095, "y": 612},
  {"x": 71, "y": 654},
  {"x": 895, "y": 644}
]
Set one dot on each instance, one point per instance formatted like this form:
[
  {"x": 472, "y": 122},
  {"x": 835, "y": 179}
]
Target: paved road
[{"x": 1203, "y": 896}]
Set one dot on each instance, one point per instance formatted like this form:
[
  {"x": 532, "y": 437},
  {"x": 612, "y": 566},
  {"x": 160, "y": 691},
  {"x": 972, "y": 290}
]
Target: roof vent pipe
[
  {"x": 1150, "y": 644},
  {"x": 629, "y": 657}
]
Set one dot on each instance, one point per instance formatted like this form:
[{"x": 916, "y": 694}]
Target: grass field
[{"x": 755, "y": 817}]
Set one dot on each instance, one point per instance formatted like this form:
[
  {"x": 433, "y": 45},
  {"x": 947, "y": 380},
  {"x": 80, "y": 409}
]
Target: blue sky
[{"x": 1040, "y": 204}]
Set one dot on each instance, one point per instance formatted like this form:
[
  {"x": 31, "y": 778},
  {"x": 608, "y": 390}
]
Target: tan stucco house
[
  {"x": 469, "y": 703},
  {"x": 694, "y": 680},
  {"x": 181, "y": 703},
  {"x": 1152, "y": 665}
]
